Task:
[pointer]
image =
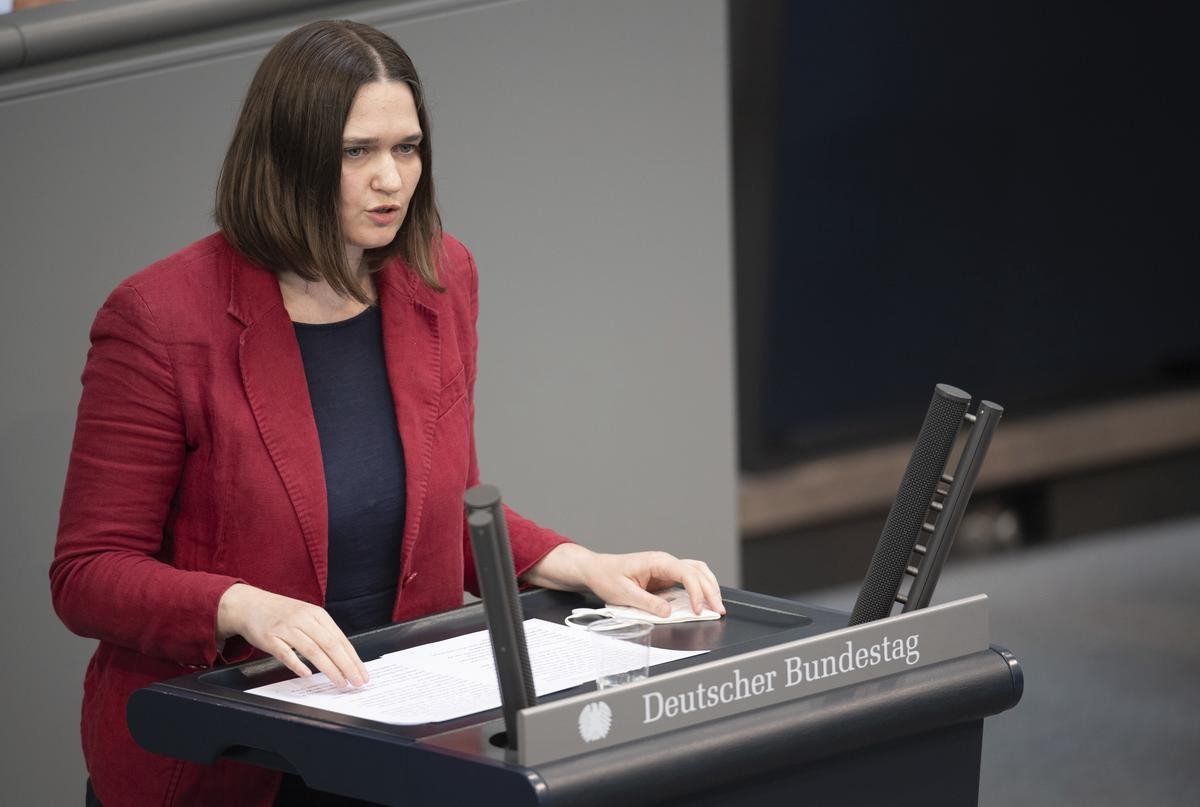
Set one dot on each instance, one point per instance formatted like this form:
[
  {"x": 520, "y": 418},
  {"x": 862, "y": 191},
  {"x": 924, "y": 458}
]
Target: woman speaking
[{"x": 276, "y": 426}]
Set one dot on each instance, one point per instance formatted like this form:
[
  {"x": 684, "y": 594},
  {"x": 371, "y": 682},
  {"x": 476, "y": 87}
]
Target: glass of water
[{"x": 620, "y": 651}]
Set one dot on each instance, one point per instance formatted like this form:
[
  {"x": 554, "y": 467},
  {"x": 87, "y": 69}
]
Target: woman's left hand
[{"x": 627, "y": 579}]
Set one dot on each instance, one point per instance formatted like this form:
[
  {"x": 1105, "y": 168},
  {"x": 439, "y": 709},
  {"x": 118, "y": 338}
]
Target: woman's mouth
[{"x": 384, "y": 214}]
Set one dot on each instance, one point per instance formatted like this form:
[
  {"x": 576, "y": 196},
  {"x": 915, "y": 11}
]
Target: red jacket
[{"x": 196, "y": 464}]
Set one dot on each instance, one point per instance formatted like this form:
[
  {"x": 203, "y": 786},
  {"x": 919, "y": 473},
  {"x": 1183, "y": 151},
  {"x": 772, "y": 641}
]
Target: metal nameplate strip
[{"x": 766, "y": 677}]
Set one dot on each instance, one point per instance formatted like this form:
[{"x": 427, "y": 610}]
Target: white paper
[{"x": 452, "y": 678}]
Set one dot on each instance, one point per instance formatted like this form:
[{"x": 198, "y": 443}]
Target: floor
[{"x": 1107, "y": 630}]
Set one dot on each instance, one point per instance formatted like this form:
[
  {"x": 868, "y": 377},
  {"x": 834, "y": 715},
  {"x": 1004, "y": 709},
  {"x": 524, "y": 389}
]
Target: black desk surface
[{"x": 453, "y": 761}]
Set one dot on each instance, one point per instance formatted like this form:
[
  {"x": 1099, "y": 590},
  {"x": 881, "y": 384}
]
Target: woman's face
[{"x": 381, "y": 165}]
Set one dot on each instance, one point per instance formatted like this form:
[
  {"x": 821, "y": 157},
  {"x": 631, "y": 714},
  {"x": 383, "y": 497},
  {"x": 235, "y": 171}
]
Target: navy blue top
[{"x": 364, "y": 466}]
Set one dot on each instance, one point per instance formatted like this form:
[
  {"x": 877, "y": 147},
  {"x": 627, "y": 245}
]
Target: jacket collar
[{"x": 254, "y": 290}]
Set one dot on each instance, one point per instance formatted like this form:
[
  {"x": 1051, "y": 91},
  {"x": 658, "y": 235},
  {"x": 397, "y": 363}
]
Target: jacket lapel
[
  {"x": 273, "y": 376},
  {"x": 413, "y": 349}
]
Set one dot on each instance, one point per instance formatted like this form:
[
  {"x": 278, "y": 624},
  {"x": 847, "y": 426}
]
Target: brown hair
[{"x": 279, "y": 187}]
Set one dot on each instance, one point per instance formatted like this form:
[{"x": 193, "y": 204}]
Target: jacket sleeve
[
  {"x": 111, "y": 578},
  {"x": 530, "y": 542}
]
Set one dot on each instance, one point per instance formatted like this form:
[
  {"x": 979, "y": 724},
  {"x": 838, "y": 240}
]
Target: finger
[
  {"x": 316, "y": 656},
  {"x": 351, "y": 653},
  {"x": 331, "y": 641},
  {"x": 363, "y": 673},
  {"x": 694, "y": 587},
  {"x": 638, "y": 597},
  {"x": 712, "y": 594},
  {"x": 320, "y": 626},
  {"x": 712, "y": 588},
  {"x": 665, "y": 571},
  {"x": 340, "y": 651},
  {"x": 286, "y": 656},
  {"x": 687, "y": 573}
]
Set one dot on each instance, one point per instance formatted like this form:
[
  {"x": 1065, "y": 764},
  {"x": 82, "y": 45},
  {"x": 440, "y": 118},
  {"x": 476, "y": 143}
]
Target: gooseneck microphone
[
  {"x": 501, "y": 604},
  {"x": 906, "y": 519}
]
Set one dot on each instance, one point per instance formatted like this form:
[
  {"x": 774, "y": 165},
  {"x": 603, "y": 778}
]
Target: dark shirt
[{"x": 364, "y": 466}]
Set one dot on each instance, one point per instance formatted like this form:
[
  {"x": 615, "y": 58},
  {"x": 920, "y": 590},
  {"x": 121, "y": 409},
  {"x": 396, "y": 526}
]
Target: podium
[{"x": 912, "y": 737}]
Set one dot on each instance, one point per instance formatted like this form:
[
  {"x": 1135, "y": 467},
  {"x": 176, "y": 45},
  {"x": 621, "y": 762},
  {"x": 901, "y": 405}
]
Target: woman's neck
[{"x": 314, "y": 302}]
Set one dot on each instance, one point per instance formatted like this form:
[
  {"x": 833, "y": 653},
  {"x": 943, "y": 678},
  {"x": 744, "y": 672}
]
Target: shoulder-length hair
[{"x": 279, "y": 187}]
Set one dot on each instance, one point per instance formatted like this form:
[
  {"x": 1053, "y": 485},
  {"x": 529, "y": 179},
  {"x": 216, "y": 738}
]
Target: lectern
[{"x": 912, "y": 736}]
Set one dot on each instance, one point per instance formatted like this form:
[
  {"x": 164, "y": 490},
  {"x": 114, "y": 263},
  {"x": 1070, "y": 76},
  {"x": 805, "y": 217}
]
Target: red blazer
[{"x": 196, "y": 464}]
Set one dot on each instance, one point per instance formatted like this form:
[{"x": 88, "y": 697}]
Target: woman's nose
[{"x": 387, "y": 177}]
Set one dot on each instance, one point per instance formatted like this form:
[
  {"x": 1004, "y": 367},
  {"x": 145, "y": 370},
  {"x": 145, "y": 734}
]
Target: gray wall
[{"x": 582, "y": 152}]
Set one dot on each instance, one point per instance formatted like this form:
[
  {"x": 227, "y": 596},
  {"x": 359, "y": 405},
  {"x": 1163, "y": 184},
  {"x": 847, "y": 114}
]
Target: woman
[{"x": 276, "y": 426}]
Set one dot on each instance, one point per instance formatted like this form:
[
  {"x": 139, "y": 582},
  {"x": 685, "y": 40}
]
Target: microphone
[
  {"x": 501, "y": 604},
  {"x": 950, "y": 512},
  {"x": 907, "y": 516}
]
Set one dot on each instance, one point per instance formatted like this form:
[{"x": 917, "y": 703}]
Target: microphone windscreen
[
  {"x": 925, "y": 468},
  {"x": 501, "y": 603}
]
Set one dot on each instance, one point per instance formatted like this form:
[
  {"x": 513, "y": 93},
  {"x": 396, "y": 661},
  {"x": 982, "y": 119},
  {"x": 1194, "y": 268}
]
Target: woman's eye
[
  {"x": 406, "y": 148},
  {"x": 354, "y": 151}
]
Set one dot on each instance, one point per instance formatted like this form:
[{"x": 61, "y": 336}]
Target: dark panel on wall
[{"x": 995, "y": 194}]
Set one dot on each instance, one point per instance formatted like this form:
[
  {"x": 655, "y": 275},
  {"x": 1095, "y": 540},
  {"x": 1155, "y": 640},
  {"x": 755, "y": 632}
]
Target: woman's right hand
[{"x": 284, "y": 627}]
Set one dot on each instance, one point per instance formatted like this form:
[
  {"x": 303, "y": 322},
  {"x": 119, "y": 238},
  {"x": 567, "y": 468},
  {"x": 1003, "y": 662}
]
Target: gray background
[{"x": 581, "y": 151}]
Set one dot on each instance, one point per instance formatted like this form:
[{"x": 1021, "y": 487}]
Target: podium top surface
[
  {"x": 397, "y": 764},
  {"x": 753, "y": 621}
]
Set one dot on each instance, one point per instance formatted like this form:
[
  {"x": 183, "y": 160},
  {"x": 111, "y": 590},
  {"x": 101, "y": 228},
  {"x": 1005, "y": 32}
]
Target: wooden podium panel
[{"x": 853, "y": 744}]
